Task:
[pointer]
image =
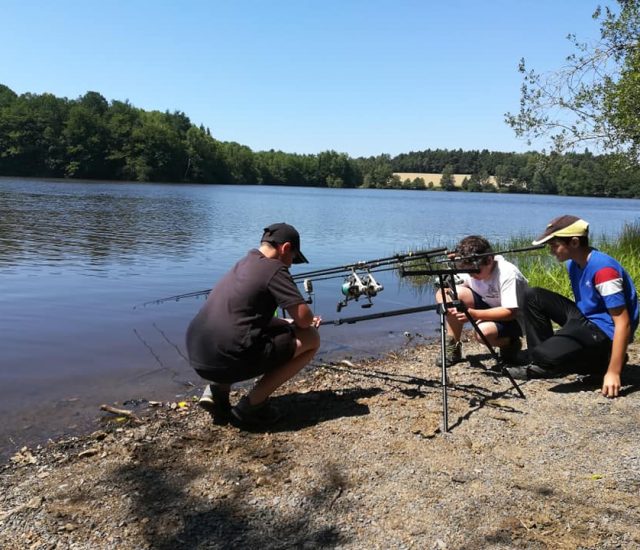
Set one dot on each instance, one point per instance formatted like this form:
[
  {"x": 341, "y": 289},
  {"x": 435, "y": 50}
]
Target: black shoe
[
  {"x": 531, "y": 371},
  {"x": 216, "y": 402},
  {"x": 261, "y": 415},
  {"x": 511, "y": 353}
]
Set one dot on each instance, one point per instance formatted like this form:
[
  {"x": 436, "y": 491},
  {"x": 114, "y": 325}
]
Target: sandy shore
[{"x": 359, "y": 461}]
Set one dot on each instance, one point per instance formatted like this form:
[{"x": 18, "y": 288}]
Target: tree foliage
[
  {"x": 594, "y": 99},
  {"x": 92, "y": 138}
]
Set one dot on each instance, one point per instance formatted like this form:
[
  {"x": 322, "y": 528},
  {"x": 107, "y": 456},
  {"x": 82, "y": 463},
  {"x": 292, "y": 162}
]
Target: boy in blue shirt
[{"x": 596, "y": 329}]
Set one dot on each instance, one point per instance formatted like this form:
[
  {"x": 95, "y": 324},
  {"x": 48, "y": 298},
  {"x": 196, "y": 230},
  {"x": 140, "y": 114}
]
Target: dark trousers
[{"x": 577, "y": 346}]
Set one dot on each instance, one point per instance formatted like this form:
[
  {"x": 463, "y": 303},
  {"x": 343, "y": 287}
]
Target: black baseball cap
[{"x": 280, "y": 233}]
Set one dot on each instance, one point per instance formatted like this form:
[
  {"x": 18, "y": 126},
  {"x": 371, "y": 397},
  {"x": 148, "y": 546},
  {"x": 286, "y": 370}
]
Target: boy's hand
[{"x": 611, "y": 385}]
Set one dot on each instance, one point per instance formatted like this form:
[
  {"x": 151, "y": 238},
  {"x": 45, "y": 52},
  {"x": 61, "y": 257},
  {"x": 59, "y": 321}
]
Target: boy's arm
[
  {"x": 621, "y": 335},
  {"x": 492, "y": 314},
  {"x": 498, "y": 313},
  {"x": 302, "y": 315}
]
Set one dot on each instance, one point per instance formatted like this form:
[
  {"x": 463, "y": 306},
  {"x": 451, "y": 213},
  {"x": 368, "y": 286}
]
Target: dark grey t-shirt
[{"x": 228, "y": 330}]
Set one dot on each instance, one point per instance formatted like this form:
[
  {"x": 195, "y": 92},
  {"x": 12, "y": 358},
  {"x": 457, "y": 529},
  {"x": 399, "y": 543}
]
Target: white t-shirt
[{"x": 504, "y": 287}]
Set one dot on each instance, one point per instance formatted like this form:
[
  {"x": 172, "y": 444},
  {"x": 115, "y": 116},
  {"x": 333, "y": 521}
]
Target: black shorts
[
  {"x": 509, "y": 329},
  {"x": 277, "y": 347}
]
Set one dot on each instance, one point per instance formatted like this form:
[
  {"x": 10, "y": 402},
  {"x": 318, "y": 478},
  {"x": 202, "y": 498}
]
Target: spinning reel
[{"x": 355, "y": 286}]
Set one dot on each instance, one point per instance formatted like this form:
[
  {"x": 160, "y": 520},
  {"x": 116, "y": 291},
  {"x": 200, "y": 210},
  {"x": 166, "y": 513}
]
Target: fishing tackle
[
  {"x": 358, "y": 276},
  {"x": 358, "y": 280},
  {"x": 355, "y": 286}
]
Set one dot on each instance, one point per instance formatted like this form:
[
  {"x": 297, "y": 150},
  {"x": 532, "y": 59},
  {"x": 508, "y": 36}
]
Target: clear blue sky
[{"x": 362, "y": 77}]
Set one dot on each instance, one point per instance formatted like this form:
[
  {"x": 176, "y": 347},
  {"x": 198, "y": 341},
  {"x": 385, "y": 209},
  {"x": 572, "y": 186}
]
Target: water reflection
[{"x": 38, "y": 229}]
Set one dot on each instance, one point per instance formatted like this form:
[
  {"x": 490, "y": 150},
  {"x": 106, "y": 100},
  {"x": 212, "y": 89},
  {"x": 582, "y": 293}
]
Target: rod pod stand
[{"x": 446, "y": 280}]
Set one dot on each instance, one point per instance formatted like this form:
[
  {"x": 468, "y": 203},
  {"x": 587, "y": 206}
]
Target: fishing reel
[
  {"x": 308, "y": 288},
  {"x": 455, "y": 279},
  {"x": 355, "y": 286}
]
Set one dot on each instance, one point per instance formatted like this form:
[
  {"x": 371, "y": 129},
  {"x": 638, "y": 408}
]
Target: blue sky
[{"x": 360, "y": 77}]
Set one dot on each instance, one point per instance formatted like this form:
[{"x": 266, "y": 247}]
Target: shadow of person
[
  {"x": 630, "y": 382},
  {"x": 170, "y": 515},
  {"x": 301, "y": 410}
]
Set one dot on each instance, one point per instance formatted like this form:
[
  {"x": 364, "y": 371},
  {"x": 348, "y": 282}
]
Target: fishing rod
[
  {"x": 473, "y": 257},
  {"x": 370, "y": 264},
  {"x": 381, "y": 315},
  {"x": 176, "y": 298},
  {"x": 358, "y": 279}
]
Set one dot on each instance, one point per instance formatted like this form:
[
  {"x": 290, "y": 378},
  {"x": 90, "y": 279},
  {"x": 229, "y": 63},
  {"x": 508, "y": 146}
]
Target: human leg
[
  {"x": 543, "y": 307},
  {"x": 215, "y": 397},
  {"x": 307, "y": 342},
  {"x": 455, "y": 326},
  {"x": 491, "y": 331},
  {"x": 215, "y": 400},
  {"x": 504, "y": 335},
  {"x": 453, "y": 345},
  {"x": 579, "y": 344},
  {"x": 254, "y": 409}
]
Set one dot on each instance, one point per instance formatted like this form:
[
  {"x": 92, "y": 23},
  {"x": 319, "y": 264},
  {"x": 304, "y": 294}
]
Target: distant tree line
[{"x": 91, "y": 138}]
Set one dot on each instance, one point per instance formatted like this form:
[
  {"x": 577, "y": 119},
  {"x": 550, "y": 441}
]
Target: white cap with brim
[{"x": 564, "y": 226}]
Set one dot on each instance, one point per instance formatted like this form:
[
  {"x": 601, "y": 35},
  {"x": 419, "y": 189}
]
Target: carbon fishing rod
[
  {"x": 472, "y": 257},
  {"x": 359, "y": 280},
  {"x": 371, "y": 265},
  {"x": 380, "y": 315}
]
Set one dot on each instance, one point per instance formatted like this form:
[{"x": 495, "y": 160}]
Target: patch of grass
[{"x": 542, "y": 269}]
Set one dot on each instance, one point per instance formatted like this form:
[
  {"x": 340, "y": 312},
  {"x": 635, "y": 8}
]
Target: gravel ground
[{"x": 359, "y": 461}]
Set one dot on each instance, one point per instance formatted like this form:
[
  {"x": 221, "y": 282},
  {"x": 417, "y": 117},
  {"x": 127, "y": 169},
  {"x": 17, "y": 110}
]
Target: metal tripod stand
[{"x": 450, "y": 299}]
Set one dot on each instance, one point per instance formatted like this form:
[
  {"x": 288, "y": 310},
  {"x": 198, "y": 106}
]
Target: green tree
[
  {"x": 30, "y": 135},
  {"x": 122, "y": 121},
  {"x": 205, "y": 163},
  {"x": 7, "y": 96},
  {"x": 595, "y": 97},
  {"x": 447, "y": 181},
  {"x": 86, "y": 138}
]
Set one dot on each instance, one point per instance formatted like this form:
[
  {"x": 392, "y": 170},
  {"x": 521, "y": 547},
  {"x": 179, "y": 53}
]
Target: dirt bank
[{"x": 359, "y": 462}]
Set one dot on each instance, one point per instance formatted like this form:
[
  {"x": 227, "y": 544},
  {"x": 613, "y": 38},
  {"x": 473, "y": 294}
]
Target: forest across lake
[{"x": 45, "y": 136}]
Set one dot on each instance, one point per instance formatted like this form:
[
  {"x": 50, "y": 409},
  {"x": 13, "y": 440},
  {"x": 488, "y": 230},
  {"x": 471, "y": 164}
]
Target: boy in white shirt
[{"x": 492, "y": 297}]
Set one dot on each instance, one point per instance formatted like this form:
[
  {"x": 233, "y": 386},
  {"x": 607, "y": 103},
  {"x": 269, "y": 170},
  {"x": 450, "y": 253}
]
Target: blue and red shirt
[{"x": 603, "y": 284}]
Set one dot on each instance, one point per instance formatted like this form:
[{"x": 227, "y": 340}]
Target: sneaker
[
  {"x": 216, "y": 402},
  {"x": 254, "y": 416},
  {"x": 531, "y": 371},
  {"x": 453, "y": 352},
  {"x": 510, "y": 352}
]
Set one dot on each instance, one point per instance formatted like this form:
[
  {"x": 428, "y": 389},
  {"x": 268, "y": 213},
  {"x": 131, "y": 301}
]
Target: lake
[{"x": 76, "y": 257}]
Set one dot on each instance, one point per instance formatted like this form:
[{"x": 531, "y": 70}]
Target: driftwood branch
[{"x": 121, "y": 412}]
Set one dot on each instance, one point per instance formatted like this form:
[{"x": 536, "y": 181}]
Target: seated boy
[{"x": 596, "y": 329}]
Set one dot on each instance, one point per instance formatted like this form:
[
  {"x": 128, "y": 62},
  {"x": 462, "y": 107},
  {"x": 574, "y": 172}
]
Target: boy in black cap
[
  {"x": 235, "y": 336},
  {"x": 596, "y": 329}
]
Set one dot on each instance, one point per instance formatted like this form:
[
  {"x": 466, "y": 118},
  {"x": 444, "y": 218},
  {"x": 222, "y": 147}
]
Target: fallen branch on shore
[{"x": 121, "y": 412}]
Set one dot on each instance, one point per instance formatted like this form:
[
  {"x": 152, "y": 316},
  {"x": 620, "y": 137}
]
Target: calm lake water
[{"x": 75, "y": 258}]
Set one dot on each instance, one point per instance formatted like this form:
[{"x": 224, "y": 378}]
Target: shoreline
[
  {"x": 358, "y": 461},
  {"x": 72, "y": 408}
]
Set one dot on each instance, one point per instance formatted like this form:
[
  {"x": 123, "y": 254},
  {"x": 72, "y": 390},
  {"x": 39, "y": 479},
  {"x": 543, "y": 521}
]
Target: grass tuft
[{"x": 542, "y": 269}]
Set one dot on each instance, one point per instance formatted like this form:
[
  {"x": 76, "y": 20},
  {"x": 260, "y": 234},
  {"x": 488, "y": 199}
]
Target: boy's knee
[
  {"x": 541, "y": 358},
  {"x": 531, "y": 294},
  {"x": 315, "y": 338},
  {"x": 309, "y": 338}
]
